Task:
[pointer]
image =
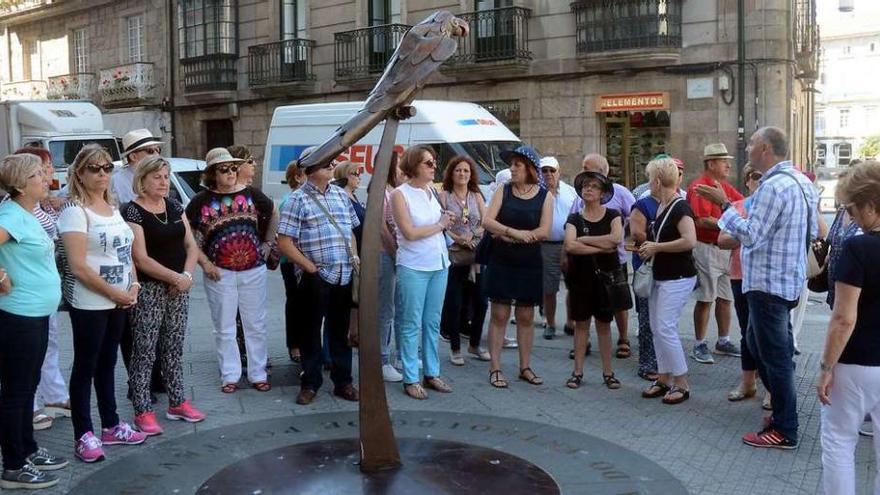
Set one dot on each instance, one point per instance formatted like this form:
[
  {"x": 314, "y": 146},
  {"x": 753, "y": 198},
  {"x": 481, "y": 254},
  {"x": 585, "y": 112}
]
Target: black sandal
[
  {"x": 574, "y": 381},
  {"x": 657, "y": 389},
  {"x": 534, "y": 379},
  {"x": 611, "y": 381},
  {"x": 586, "y": 352},
  {"x": 496, "y": 380},
  {"x": 685, "y": 395}
]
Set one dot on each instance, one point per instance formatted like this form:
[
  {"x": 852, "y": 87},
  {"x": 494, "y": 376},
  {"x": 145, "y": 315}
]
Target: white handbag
[{"x": 643, "y": 278}]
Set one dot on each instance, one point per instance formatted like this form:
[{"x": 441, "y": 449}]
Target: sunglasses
[
  {"x": 354, "y": 174},
  {"x": 755, "y": 176},
  {"x": 151, "y": 151},
  {"x": 548, "y": 170},
  {"x": 226, "y": 170},
  {"x": 430, "y": 163},
  {"x": 96, "y": 169}
]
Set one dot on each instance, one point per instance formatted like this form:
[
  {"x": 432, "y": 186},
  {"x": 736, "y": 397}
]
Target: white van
[{"x": 450, "y": 127}]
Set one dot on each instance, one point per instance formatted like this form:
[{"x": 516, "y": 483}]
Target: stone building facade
[{"x": 628, "y": 78}]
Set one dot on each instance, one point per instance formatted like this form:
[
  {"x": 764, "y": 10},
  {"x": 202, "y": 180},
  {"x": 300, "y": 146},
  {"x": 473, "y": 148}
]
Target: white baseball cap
[{"x": 549, "y": 161}]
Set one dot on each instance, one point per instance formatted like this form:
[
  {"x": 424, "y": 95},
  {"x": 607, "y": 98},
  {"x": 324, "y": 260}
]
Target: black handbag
[
  {"x": 615, "y": 293},
  {"x": 483, "y": 250},
  {"x": 820, "y": 282}
]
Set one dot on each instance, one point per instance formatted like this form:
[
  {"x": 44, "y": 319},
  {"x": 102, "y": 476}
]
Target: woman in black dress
[
  {"x": 585, "y": 261},
  {"x": 518, "y": 219}
]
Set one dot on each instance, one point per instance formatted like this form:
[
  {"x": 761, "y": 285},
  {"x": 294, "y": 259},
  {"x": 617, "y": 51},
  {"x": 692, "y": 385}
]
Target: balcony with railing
[
  {"x": 362, "y": 54},
  {"x": 15, "y": 7},
  {"x": 72, "y": 87},
  {"x": 209, "y": 73},
  {"x": 127, "y": 85},
  {"x": 497, "y": 37},
  {"x": 282, "y": 65},
  {"x": 24, "y": 90},
  {"x": 806, "y": 39},
  {"x": 623, "y": 30}
]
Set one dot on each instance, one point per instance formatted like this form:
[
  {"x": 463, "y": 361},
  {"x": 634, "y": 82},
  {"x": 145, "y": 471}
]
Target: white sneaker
[
  {"x": 389, "y": 374},
  {"x": 455, "y": 358},
  {"x": 510, "y": 343}
]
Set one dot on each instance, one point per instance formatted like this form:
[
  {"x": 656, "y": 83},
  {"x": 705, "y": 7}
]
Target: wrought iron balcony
[
  {"x": 72, "y": 87},
  {"x": 13, "y": 7},
  {"x": 610, "y": 25},
  {"x": 127, "y": 85},
  {"x": 214, "y": 72},
  {"x": 806, "y": 39},
  {"x": 496, "y": 36},
  {"x": 24, "y": 90},
  {"x": 282, "y": 62},
  {"x": 363, "y": 53}
]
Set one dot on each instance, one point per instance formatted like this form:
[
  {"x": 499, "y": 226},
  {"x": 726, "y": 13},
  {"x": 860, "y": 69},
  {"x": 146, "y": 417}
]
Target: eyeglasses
[
  {"x": 96, "y": 169},
  {"x": 250, "y": 161},
  {"x": 430, "y": 163},
  {"x": 850, "y": 209},
  {"x": 548, "y": 170},
  {"x": 756, "y": 176},
  {"x": 354, "y": 174},
  {"x": 226, "y": 170}
]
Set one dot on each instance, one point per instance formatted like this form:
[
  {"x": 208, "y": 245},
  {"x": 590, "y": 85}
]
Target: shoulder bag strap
[
  {"x": 345, "y": 238},
  {"x": 667, "y": 212},
  {"x": 806, "y": 200}
]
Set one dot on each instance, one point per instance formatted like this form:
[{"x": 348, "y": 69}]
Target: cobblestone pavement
[{"x": 698, "y": 441}]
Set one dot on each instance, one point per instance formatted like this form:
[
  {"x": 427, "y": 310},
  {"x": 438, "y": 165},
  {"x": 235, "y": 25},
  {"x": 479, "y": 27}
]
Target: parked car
[{"x": 826, "y": 180}]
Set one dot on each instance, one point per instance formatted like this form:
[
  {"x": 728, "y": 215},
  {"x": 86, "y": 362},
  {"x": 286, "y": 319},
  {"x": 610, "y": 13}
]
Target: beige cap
[
  {"x": 715, "y": 151},
  {"x": 550, "y": 162},
  {"x": 220, "y": 155}
]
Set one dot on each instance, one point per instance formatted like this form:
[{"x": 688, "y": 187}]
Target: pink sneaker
[
  {"x": 146, "y": 423},
  {"x": 185, "y": 412},
  {"x": 122, "y": 434},
  {"x": 88, "y": 448}
]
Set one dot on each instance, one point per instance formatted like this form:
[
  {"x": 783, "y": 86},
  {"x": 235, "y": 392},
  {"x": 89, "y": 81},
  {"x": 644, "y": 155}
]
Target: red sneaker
[
  {"x": 146, "y": 423},
  {"x": 769, "y": 438},
  {"x": 185, "y": 412}
]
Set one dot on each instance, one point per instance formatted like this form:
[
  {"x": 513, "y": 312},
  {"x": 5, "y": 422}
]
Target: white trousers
[
  {"x": 52, "y": 388},
  {"x": 244, "y": 292},
  {"x": 667, "y": 301},
  {"x": 855, "y": 391},
  {"x": 798, "y": 313}
]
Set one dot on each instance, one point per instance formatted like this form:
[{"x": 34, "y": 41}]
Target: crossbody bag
[
  {"x": 352, "y": 257},
  {"x": 643, "y": 278}
]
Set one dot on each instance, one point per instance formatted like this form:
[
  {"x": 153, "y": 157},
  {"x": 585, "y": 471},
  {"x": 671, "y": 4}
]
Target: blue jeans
[
  {"x": 741, "y": 305},
  {"x": 771, "y": 342},
  {"x": 386, "y": 305},
  {"x": 419, "y": 301}
]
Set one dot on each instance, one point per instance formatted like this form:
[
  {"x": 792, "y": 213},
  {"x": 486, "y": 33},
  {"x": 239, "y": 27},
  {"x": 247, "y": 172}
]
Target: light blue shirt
[
  {"x": 563, "y": 198},
  {"x": 29, "y": 259},
  {"x": 774, "y": 236}
]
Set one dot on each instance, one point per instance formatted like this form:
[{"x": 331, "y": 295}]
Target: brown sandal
[
  {"x": 262, "y": 386},
  {"x": 228, "y": 388},
  {"x": 623, "y": 349},
  {"x": 527, "y": 375},
  {"x": 437, "y": 384},
  {"x": 415, "y": 391},
  {"x": 496, "y": 379}
]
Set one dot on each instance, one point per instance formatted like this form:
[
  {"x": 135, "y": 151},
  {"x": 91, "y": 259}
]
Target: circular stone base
[
  {"x": 429, "y": 467},
  {"x": 247, "y": 454}
]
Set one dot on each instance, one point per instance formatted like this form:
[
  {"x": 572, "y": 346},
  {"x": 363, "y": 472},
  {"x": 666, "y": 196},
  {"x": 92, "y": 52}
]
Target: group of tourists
[{"x": 119, "y": 255}]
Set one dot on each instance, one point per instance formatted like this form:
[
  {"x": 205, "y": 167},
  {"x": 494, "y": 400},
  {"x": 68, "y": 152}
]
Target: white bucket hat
[
  {"x": 137, "y": 139},
  {"x": 220, "y": 155}
]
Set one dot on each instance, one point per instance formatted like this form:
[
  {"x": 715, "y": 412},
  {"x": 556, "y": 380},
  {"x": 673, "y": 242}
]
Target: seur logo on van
[{"x": 361, "y": 154}]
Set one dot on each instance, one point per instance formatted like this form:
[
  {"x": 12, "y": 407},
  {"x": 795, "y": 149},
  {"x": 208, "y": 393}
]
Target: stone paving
[{"x": 697, "y": 441}]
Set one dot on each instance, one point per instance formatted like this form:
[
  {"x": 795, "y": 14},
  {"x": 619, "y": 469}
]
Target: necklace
[
  {"x": 519, "y": 192},
  {"x": 164, "y": 212}
]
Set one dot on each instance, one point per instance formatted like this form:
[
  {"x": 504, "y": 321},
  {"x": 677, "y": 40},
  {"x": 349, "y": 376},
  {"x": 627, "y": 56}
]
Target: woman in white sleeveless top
[{"x": 422, "y": 262}]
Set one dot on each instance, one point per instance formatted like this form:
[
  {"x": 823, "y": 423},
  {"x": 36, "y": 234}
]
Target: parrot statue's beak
[{"x": 457, "y": 27}]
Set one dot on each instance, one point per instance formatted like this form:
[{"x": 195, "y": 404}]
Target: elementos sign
[
  {"x": 632, "y": 101},
  {"x": 360, "y": 154}
]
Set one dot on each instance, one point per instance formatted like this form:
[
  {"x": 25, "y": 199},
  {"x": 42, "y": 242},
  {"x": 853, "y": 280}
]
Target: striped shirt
[
  {"x": 773, "y": 237},
  {"x": 305, "y": 222},
  {"x": 47, "y": 218}
]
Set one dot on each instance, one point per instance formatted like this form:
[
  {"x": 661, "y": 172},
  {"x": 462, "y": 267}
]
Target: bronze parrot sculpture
[{"x": 421, "y": 51}]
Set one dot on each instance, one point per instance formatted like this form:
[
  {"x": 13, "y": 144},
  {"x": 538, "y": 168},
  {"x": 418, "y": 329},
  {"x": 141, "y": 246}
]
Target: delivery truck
[
  {"x": 62, "y": 127},
  {"x": 450, "y": 127}
]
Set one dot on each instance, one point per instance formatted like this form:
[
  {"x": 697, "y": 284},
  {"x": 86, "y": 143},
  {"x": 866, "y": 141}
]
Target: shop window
[
  {"x": 507, "y": 111},
  {"x": 632, "y": 139}
]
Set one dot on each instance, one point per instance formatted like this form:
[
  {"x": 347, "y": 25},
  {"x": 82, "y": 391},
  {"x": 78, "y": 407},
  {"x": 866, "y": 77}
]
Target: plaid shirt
[
  {"x": 773, "y": 237},
  {"x": 305, "y": 222}
]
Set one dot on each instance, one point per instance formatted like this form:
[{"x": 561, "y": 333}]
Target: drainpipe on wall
[
  {"x": 172, "y": 83},
  {"x": 741, "y": 89}
]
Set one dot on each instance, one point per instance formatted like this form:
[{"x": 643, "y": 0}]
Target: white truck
[
  {"x": 62, "y": 127},
  {"x": 450, "y": 127}
]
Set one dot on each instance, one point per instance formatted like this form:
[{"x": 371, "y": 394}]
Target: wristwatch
[
  {"x": 824, "y": 367},
  {"x": 724, "y": 206}
]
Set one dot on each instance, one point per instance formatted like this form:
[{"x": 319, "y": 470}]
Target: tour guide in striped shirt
[{"x": 774, "y": 248}]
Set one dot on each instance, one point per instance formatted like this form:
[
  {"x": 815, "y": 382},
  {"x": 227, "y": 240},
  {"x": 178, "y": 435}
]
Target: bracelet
[
  {"x": 824, "y": 367},
  {"x": 136, "y": 284},
  {"x": 187, "y": 275}
]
